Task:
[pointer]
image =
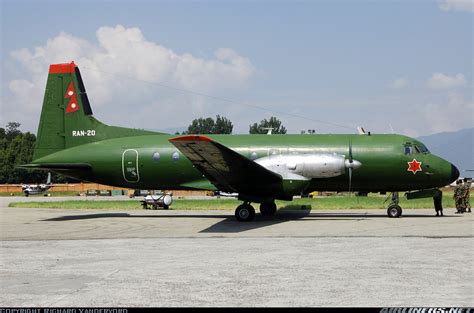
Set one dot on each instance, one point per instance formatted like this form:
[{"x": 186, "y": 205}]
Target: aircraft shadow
[
  {"x": 228, "y": 223},
  {"x": 126, "y": 215}
]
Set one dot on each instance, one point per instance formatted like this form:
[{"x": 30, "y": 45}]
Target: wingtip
[{"x": 191, "y": 138}]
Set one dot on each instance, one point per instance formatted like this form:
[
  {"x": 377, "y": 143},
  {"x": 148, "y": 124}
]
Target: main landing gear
[
  {"x": 268, "y": 208},
  {"x": 246, "y": 213}
]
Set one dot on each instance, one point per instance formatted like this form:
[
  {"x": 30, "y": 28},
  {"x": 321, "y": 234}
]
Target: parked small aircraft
[
  {"x": 37, "y": 188},
  {"x": 259, "y": 168}
]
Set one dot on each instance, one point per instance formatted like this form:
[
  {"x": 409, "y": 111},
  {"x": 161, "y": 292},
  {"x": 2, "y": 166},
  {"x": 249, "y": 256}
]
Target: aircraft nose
[{"x": 454, "y": 173}]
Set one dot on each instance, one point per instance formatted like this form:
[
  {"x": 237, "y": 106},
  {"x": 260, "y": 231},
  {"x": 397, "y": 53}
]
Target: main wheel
[
  {"x": 268, "y": 208},
  {"x": 394, "y": 211},
  {"x": 244, "y": 213}
]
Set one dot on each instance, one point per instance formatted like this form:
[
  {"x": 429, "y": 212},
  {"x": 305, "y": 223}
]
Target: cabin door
[{"x": 130, "y": 166}]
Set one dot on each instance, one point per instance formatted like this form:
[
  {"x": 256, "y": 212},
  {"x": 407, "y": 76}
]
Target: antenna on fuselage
[{"x": 391, "y": 128}]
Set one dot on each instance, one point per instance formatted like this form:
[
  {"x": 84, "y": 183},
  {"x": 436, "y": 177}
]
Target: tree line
[
  {"x": 17, "y": 147},
  {"x": 222, "y": 125}
]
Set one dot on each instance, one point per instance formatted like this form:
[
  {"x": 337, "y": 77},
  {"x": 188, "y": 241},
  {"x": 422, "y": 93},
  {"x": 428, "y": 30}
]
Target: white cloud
[
  {"x": 457, "y": 5},
  {"x": 451, "y": 113},
  {"x": 399, "y": 83},
  {"x": 441, "y": 81},
  {"x": 112, "y": 69}
]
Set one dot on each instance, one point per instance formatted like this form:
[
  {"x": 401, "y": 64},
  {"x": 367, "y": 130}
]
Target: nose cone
[{"x": 454, "y": 173}]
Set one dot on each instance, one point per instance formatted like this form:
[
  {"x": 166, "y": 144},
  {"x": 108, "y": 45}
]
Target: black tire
[
  {"x": 245, "y": 213},
  {"x": 268, "y": 209},
  {"x": 166, "y": 207},
  {"x": 394, "y": 211}
]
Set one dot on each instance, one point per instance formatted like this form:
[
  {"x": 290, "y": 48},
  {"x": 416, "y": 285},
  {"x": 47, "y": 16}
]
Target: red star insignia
[{"x": 414, "y": 166}]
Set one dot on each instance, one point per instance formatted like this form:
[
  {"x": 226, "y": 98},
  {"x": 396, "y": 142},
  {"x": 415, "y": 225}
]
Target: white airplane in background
[{"x": 38, "y": 188}]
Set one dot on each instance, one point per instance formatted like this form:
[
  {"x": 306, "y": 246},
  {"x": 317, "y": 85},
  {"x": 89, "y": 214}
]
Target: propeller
[{"x": 351, "y": 164}]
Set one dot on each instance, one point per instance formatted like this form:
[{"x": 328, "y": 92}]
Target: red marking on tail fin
[
  {"x": 73, "y": 106},
  {"x": 62, "y": 68},
  {"x": 70, "y": 91}
]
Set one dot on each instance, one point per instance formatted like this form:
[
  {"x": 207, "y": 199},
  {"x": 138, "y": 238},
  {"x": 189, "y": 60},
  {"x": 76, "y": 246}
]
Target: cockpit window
[
  {"x": 416, "y": 148},
  {"x": 422, "y": 148}
]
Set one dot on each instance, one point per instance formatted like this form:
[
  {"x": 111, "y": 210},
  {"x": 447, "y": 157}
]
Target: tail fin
[{"x": 66, "y": 118}]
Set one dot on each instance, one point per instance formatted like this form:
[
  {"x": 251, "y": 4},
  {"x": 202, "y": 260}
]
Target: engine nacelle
[{"x": 307, "y": 165}]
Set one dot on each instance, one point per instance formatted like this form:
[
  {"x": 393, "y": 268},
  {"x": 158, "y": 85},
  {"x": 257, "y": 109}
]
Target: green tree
[
  {"x": 2, "y": 133},
  {"x": 273, "y": 122},
  {"x": 221, "y": 125},
  {"x": 201, "y": 126},
  {"x": 17, "y": 148},
  {"x": 12, "y": 130}
]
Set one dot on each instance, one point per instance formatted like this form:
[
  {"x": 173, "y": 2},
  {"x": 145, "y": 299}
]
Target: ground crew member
[
  {"x": 438, "y": 203},
  {"x": 467, "y": 194},
  {"x": 458, "y": 193}
]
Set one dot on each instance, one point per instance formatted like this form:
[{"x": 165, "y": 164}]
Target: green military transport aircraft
[{"x": 259, "y": 168}]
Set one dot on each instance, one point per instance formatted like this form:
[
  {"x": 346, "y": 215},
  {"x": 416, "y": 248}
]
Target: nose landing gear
[{"x": 394, "y": 210}]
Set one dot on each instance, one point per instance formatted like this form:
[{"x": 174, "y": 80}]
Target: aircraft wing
[{"x": 226, "y": 169}]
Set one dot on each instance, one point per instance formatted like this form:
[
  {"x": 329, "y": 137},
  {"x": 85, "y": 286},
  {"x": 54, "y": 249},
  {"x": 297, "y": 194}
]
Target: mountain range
[{"x": 456, "y": 147}]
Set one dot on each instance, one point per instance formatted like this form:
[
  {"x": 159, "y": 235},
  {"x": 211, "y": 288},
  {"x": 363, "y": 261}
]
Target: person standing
[
  {"x": 458, "y": 196},
  {"x": 466, "y": 195},
  {"x": 438, "y": 203}
]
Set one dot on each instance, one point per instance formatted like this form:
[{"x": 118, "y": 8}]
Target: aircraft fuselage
[{"x": 152, "y": 162}]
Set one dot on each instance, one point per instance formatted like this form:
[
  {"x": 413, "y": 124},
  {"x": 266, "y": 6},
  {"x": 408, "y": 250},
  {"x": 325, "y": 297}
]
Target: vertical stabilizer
[{"x": 66, "y": 117}]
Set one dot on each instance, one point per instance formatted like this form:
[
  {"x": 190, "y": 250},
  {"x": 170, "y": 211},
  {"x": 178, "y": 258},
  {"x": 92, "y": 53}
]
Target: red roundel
[
  {"x": 414, "y": 166},
  {"x": 73, "y": 106}
]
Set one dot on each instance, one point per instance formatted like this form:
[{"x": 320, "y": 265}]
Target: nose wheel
[
  {"x": 245, "y": 212},
  {"x": 394, "y": 210}
]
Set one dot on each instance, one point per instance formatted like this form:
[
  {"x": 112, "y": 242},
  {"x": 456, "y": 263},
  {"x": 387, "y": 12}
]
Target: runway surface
[{"x": 58, "y": 257}]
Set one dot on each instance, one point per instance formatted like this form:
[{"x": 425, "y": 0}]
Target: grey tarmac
[{"x": 58, "y": 257}]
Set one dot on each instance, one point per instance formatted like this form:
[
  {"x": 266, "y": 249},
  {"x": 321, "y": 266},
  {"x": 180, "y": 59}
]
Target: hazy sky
[{"x": 405, "y": 65}]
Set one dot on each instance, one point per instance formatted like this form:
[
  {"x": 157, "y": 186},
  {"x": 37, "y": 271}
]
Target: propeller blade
[
  {"x": 351, "y": 164},
  {"x": 350, "y": 181},
  {"x": 350, "y": 150}
]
